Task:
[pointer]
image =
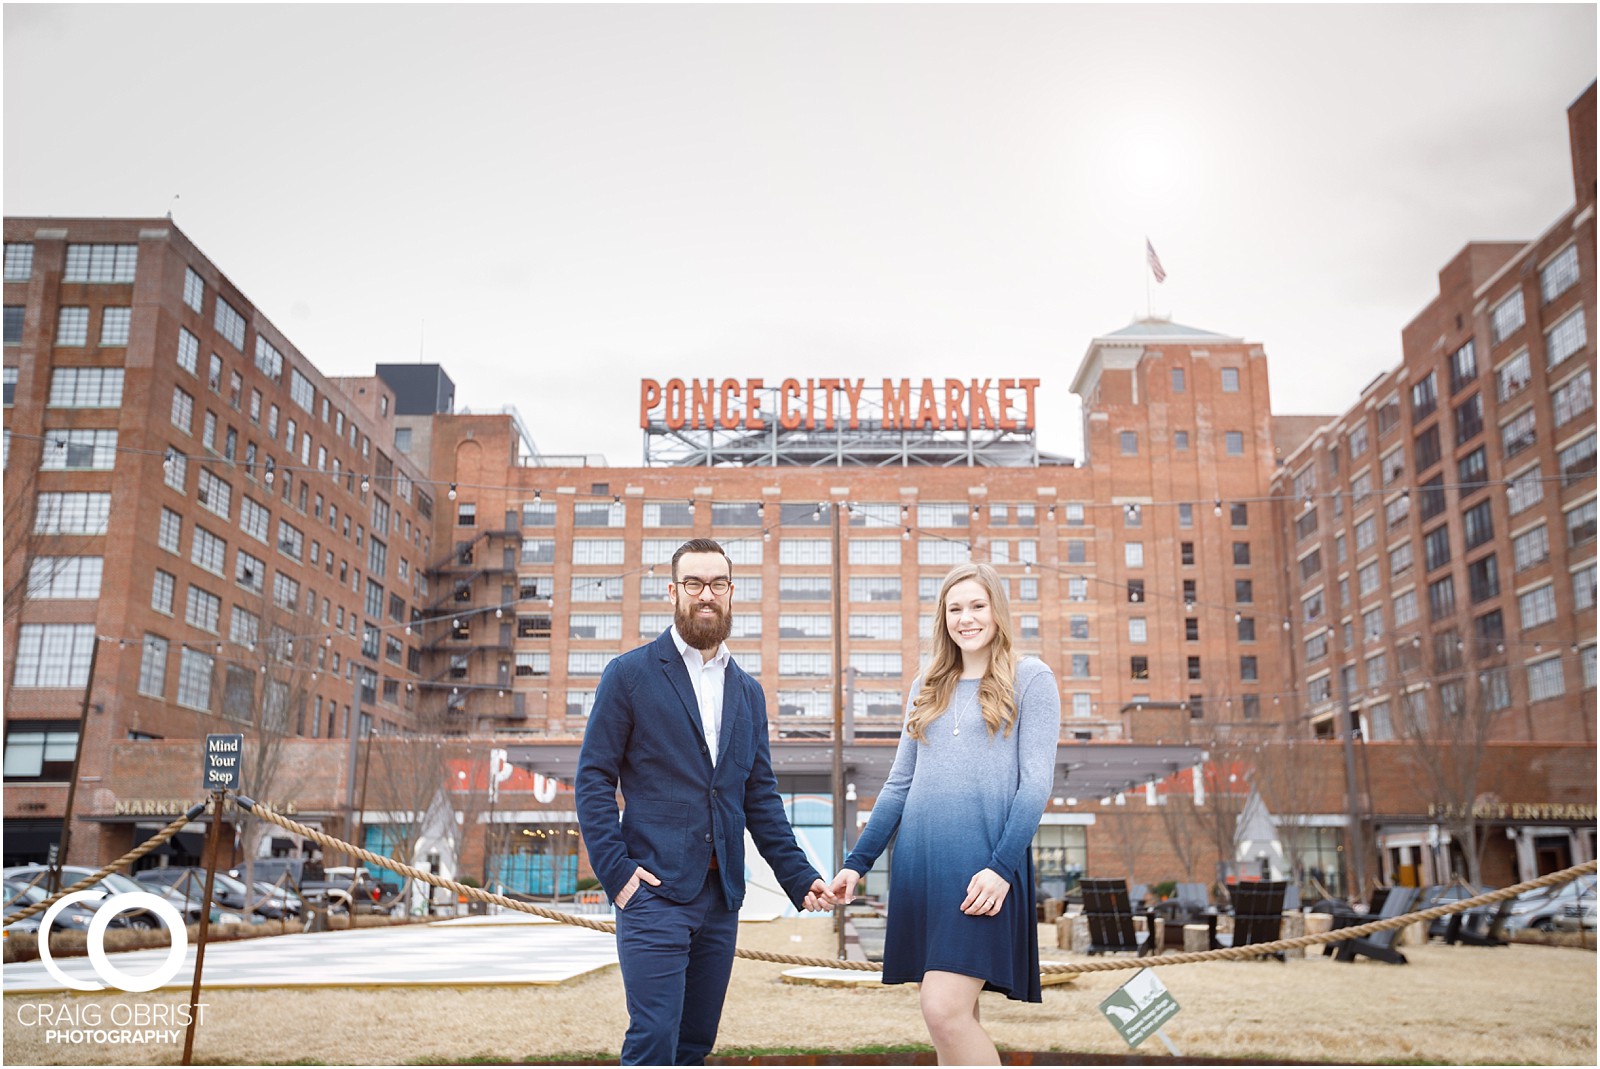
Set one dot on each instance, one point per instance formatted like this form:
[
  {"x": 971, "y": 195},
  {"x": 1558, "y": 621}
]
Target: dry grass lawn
[{"x": 1451, "y": 1005}]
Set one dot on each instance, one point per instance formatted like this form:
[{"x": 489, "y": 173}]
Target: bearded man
[{"x": 681, "y": 730}]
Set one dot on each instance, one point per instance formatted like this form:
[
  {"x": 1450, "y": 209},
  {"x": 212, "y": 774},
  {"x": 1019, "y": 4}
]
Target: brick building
[
  {"x": 415, "y": 590},
  {"x": 1440, "y": 535},
  {"x": 203, "y": 534}
]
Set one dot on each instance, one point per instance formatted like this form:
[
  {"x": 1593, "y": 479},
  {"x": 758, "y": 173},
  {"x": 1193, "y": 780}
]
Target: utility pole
[
  {"x": 77, "y": 759},
  {"x": 838, "y": 720},
  {"x": 1358, "y": 851}
]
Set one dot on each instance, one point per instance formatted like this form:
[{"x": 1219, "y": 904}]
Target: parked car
[
  {"x": 1577, "y": 917},
  {"x": 1540, "y": 908},
  {"x": 345, "y": 887},
  {"x": 20, "y": 894},
  {"x": 1455, "y": 892},
  {"x": 226, "y": 892},
  {"x": 112, "y": 884}
]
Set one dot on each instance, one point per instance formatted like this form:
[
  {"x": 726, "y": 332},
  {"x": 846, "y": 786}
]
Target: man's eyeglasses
[{"x": 692, "y": 586}]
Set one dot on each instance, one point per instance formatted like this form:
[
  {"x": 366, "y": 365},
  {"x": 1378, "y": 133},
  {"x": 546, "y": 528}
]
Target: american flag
[{"x": 1155, "y": 261}]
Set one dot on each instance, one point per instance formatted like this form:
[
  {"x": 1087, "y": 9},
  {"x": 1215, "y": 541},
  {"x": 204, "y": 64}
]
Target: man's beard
[{"x": 703, "y": 633}]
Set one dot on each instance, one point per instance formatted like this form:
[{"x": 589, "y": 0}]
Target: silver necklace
[{"x": 961, "y": 709}]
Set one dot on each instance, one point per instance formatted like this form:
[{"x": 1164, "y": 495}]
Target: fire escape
[{"x": 467, "y": 631}]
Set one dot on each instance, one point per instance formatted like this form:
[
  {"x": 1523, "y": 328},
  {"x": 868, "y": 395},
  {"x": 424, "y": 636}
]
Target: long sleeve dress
[{"x": 965, "y": 802}]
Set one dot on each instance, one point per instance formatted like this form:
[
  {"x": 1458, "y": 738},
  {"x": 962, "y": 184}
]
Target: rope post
[{"x": 213, "y": 839}]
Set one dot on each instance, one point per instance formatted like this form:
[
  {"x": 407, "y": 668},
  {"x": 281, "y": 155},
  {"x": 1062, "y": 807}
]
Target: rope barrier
[
  {"x": 129, "y": 858},
  {"x": 1252, "y": 950}
]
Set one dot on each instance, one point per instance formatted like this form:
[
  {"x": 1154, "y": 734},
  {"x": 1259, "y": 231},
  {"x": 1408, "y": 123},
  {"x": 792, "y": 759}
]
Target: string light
[
  {"x": 1216, "y": 508},
  {"x": 271, "y": 471},
  {"x": 366, "y": 484},
  {"x": 691, "y": 506},
  {"x": 452, "y": 494}
]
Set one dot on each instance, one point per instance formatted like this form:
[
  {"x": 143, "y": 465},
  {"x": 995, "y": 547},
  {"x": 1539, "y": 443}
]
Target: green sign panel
[{"x": 1139, "y": 1007}]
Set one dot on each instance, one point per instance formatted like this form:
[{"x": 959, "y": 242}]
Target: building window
[
  {"x": 208, "y": 551},
  {"x": 72, "y": 326},
  {"x": 876, "y": 665},
  {"x": 72, "y": 513},
  {"x": 203, "y": 610},
  {"x": 1230, "y": 380},
  {"x": 53, "y": 656},
  {"x": 883, "y": 626},
  {"x": 70, "y": 578},
  {"x": 1537, "y": 606},
  {"x": 805, "y": 664},
  {"x": 1580, "y": 523},
  {"x": 1559, "y": 274},
  {"x": 1247, "y": 669},
  {"x": 19, "y": 261},
  {"x": 230, "y": 324},
  {"x": 1234, "y": 443},
  {"x": 1530, "y": 548},
  {"x": 301, "y": 392},
  {"x": 1405, "y": 608},
  {"x": 1137, "y": 631},
  {"x": 1565, "y": 338},
  {"x": 815, "y": 551},
  {"x": 195, "y": 671},
  {"x": 1546, "y": 680},
  {"x": 114, "y": 326},
  {"x": 1483, "y": 579},
  {"x": 101, "y": 263},
  {"x": 40, "y": 750},
  {"x": 1463, "y": 368},
  {"x": 1506, "y": 318},
  {"x": 935, "y": 551},
  {"x": 1583, "y": 587},
  {"x": 1241, "y": 554},
  {"x": 1177, "y": 380},
  {"x": 1133, "y": 554},
  {"x": 85, "y": 387},
  {"x": 1129, "y": 443},
  {"x": 1388, "y": 415},
  {"x": 78, "y": 450},
  {"x": 1243, "y": 591},
  {"x": 1436, "y": 547},
  {"x": 1426, "y": 448},
  {"x": 1576, "y": 461},
  {"x": 1573, "y": 397},
  {"x": 161, "y": 592},
  {"x": 1469, "y": 419},
  {"x": 668, "y": 514},
  {"x": 590, "y": 588},
  {"x": 1524, "y": 490},
  {"x": 1193, "y": 667},
  {"x": 1424, "y": 398}
]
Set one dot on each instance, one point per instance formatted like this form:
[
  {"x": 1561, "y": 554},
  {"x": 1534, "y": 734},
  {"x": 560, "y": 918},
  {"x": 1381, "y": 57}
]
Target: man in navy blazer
[{"x": 681, "y": 730}]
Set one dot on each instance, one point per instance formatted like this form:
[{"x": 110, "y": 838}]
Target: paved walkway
[{"x": 471, "y": 951}]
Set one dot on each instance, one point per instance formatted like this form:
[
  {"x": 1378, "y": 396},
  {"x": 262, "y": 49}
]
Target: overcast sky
[{"x": 554, "y": 202}]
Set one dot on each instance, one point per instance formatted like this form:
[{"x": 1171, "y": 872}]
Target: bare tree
[
  {"x": 267, "y": 681},
  {"x": 1447, "y": 727},
  {"x": 1293, "y": 775}
]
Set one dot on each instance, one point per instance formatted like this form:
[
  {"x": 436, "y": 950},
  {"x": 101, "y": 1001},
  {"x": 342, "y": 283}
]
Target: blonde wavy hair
[{"x": 996, "y": 691}]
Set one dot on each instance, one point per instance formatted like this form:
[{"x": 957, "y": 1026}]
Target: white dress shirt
[{"x": 707, "y": 677}]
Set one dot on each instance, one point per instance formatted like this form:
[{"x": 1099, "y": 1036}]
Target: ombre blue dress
[{"x": 961, "y": 803}]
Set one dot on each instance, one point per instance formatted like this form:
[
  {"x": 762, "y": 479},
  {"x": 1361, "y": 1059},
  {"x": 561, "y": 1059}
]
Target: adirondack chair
[
  {"x": 1345, "y": 916},
  {"x": 1110, "y": 919},
  {"x": 1190, "y": 904},
  {"x": 1380, "y": 947},
  {"x": 1257, "y": 915}
]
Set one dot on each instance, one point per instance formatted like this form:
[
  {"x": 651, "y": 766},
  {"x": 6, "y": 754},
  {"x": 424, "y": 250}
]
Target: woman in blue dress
[{"x": 970, "y": 781}]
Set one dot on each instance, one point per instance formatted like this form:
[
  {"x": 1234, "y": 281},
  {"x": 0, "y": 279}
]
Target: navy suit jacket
[{"x": 646, "y": 738}]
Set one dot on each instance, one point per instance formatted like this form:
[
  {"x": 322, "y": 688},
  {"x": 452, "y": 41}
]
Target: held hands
[
  {"x": 819, "y": 899},
  {"x": 985, "y": 893},
  {"x": 844, "y": 886},
  {"x": 639, "y": 873}
]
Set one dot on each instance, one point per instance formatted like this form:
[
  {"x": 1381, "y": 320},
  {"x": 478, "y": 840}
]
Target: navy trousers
[{"x": 676, "y": 960}]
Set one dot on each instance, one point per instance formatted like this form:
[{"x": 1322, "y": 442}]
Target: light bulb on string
[
  {"x": 451, "y": 494},
  {"x": 366, "y": 484},
  {"x": 270, "y": 473},
  {"x": 691, "y": 506},
  {"x": 1216, "y": 508}
]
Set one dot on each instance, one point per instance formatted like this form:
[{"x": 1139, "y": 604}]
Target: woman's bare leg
[{"x": 950, "y": 1010}]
